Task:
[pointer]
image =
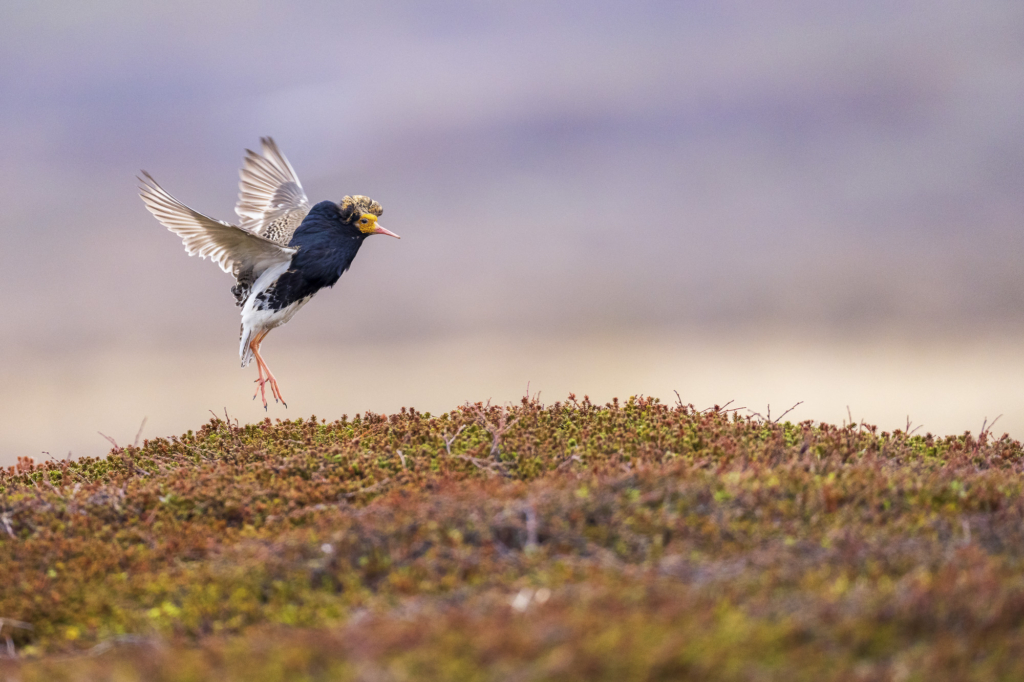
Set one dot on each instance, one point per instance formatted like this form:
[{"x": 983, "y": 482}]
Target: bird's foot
[
  {"x": 275, "y": 390},
  {"x": 261, "y": 390},
  {"x": 265, "y": 375}
]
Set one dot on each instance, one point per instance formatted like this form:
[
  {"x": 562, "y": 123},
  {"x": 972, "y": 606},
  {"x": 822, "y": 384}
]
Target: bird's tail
[{"x": 244, "y": 351}]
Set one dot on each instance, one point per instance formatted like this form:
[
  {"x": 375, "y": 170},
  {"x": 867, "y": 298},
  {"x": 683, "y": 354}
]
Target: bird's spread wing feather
[
  {"x": 269, "y": 193},
  {"x": 231, "y": 247}
]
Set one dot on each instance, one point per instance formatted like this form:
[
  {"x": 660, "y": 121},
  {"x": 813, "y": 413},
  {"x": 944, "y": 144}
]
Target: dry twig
[
  {"x": 139, "y": 434},
  {"x": 496, "y": 430},
  {"x": 448, "y": 441}
]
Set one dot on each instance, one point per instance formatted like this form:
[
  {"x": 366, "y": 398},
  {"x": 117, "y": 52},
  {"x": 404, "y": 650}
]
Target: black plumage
[{"x": 327, "y": 245}]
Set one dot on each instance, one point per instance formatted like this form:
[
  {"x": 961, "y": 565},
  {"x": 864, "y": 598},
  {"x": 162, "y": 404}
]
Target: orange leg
[
  {"x": 262, "y": 381},
  {"x": 273, "y": 383},
  {"x": 261, "y": 367},
  {"x": 253, "y": 345},
  {"x": 270, "y": 375}
]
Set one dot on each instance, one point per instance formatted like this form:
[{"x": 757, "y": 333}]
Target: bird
[{"x": 282, "y": 251}]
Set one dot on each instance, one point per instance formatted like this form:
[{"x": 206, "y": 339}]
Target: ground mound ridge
[{"x": 631, "y": 540}]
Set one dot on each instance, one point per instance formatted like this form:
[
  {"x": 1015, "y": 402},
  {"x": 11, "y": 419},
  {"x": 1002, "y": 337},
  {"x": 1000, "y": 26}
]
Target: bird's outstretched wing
[
  {"x": 232, "y": 248},
  {"x": 271, "y": 201}
]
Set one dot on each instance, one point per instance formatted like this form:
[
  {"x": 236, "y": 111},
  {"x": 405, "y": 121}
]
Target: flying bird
[{"x": 282, "y": 252}]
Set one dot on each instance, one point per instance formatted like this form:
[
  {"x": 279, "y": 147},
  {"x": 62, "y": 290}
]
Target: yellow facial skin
[{"x": 367, "y": 223}]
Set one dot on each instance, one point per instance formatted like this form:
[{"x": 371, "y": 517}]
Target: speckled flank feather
[{"x": 282, "y": 228}]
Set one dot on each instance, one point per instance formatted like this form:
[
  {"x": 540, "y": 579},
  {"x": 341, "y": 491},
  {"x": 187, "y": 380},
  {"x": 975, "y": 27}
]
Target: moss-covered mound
[{"x": 574, "y": 541}]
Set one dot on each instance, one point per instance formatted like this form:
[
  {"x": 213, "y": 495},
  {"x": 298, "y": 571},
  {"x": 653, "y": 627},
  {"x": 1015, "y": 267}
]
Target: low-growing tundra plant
[{"x": 631, "y": 540}]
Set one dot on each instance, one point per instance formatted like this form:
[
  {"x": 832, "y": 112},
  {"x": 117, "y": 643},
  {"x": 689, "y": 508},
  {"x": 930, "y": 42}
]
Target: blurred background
[{"x": 815, "y": 201}]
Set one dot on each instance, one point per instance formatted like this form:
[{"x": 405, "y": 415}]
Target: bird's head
[{"x": 362, "y": 213}]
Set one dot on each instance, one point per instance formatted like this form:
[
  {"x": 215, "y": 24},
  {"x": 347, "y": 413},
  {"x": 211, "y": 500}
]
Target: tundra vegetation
[{"x": 632, "y": 540}]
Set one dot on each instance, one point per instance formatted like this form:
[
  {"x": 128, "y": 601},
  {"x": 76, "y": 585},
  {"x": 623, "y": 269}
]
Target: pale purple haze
[{"x": 771, "y": 202}]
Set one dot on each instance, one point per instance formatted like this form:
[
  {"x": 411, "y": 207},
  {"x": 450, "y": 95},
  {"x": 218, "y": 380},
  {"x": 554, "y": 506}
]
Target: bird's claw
[
  {"x": 261, "y": 389},
  {"x": 258, "y": 390}
]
